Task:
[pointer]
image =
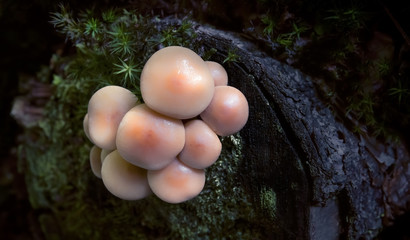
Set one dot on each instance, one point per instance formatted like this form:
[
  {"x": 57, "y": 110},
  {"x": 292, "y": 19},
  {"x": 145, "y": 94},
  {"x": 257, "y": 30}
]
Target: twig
[{"x": 402, "y": 32}]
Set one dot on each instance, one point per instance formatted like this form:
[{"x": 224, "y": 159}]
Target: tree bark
[{"x": 329, "y": 182}]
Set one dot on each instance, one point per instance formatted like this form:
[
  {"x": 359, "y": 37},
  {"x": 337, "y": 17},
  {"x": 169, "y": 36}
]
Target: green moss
[
  {"x": 70, "y": 200},
  {"x": 268, "y": 202}
]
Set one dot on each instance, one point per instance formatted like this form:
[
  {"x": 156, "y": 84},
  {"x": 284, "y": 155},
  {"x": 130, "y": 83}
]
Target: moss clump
[
  {"x": 111, "y": 48},
  {"x": 268, "y": 202}
]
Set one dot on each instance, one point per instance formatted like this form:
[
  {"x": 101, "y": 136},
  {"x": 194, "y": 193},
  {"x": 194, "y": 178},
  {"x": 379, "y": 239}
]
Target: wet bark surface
[{"x": 329, "y": 182}]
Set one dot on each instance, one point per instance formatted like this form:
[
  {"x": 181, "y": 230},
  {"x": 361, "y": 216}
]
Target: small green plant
[
  {"x": 270, "y": 24},
  {"x": 92, "y": 28},
  {"x": 287, "y": 38},
  {"x": 399, "y": 92},
  {"x": 130, "y": 71},
  {"x": 121, "y": 40},
  {"x": 180, "y": 36},
  {"x": 350, "y": 18},
  {"x": 384, "y": 68},
  {"x": 231, "y": 57}
]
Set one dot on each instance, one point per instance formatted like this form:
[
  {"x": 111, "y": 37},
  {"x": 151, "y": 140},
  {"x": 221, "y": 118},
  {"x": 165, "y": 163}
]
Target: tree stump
[
  {"x": 295, "y": 171},
  {"x": 329, "y": 183}
]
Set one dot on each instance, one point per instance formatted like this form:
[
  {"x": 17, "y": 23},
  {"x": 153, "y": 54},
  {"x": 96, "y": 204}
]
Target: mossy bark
[{"x": 291, "y": 165}]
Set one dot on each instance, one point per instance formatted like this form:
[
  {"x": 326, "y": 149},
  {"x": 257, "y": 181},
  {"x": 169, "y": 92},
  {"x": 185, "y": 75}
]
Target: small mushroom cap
[
  {"x": 95, "y": 161},
  {"x": 85, "y": 127},
  {"x": 218, "y": 73},
  {"x": 176, "y": 82},
  {"x": 202, "y": 145},
  {"x": 105, "y": 110},
  {"x": 123, "y": 179},
  {"x": 148, "y": 139},
  {"x": 176, "y": 182},
  {"x": 228, "y": 111},
  {"x": 104, "y": 153}
]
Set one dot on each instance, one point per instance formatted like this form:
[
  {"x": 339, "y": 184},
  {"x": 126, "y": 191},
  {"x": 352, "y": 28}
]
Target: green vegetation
[
  {"x": 232, "y": 57},
  {"x": 268, "y": 201},
  {"x": 353, "y": 46}
]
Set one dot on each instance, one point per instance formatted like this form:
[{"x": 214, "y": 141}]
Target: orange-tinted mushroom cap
[
  {"x": 176, "y": 82},
  {"x": 176, "y": 182},
  {"x": 106, "y": 108},
  {"x": 202, "y": 145},
  {"x": 123, "y": 179},
  {"x": 228, "y": 111},
  {"x": 148, "y": 139}
]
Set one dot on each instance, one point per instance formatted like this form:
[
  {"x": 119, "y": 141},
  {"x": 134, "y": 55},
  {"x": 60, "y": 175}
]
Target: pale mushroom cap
[
  {"x": 95, "y": 161},
  {"x": 85, "y": 126},
  {"x": 104, "y": 153},
  {"x": 123, "y": 179},
  {"x": 176, "y": 182},
  {"x": 148, "y": 139},
  {"x": 218, "y": 73},
  {"x": 105, "y": 110},
  {"x": 202, "y": 145},
  {"x": 228, "y": 111},
  {"x": 176, "y": 82}
]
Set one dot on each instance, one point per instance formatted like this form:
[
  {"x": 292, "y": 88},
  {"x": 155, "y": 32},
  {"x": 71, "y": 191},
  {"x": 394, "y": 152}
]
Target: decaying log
[{"x": 330, "y": 182}]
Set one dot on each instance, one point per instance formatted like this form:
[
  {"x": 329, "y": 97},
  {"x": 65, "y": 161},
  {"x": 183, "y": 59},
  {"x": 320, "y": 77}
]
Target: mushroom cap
[
  {"x": 149, "y": 139},
  {"x": 202, "y": 145},
  {"x": 176, "y": 82},
  {"x": 228, "y": 111},
  {"x": 176, "y": 182},
  {"x": 218, "y": 73},
  {"x": 123, "y": 179},
  {"x": 106, "y": 108},
  {"x": 104, "y": 153},
  {"x": 95, "y": 161},
  {"x": 85, "y": 127}
]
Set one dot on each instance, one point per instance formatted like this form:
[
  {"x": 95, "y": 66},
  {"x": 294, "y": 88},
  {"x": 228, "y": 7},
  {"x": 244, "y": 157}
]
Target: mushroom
[
  {"x": 85, "y": 127},
  {"x": 149, "y": 139},
  {"x": 176, "y": 82},
  {"x": 104, "y": 153},
  {"x": 228, "y": 111},
  {"x": 105, "y": 110},
  {"x": 202, "y": 146},
  {"x": 95, "y": 161},
  {"x": 123, "y": 179},
  {"x": 176, "y": 182},
  {"x": 218, "y": 73}
]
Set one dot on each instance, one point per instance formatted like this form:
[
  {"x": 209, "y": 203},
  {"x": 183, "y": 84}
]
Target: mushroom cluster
[{"x": 164, "y": 144}]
